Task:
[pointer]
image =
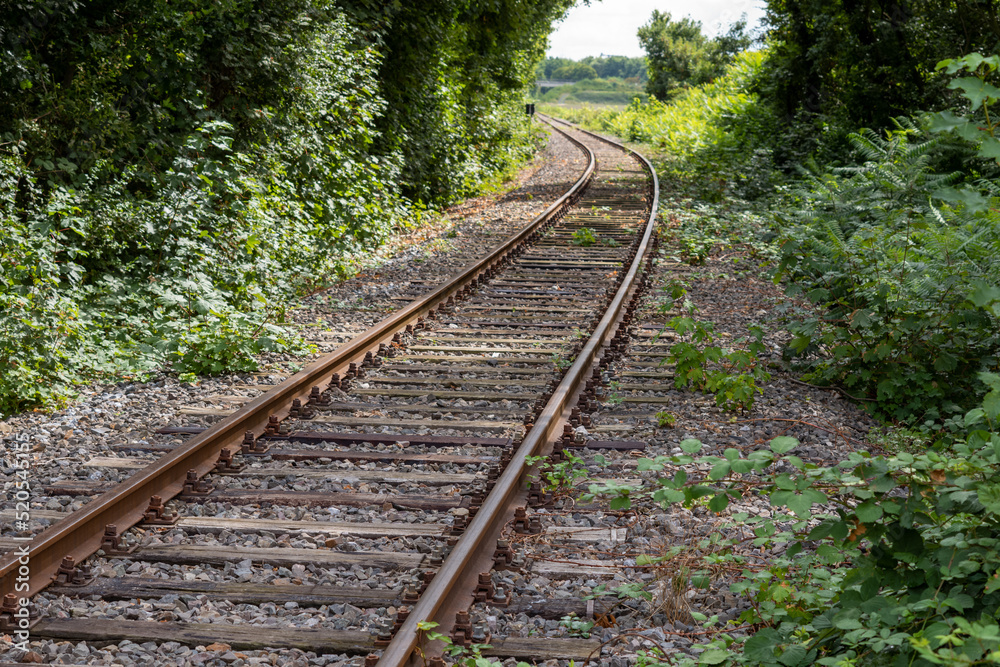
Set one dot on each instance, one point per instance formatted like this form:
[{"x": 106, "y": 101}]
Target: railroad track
[{"x": 378, "y": 484}]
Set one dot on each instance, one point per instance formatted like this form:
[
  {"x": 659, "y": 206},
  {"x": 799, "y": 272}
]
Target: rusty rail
[
  {"x": 81, "y": 533},
  {"x": 450, "y": 590}
]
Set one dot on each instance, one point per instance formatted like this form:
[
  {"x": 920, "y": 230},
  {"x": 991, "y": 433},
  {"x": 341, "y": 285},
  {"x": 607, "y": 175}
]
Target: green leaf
[
  {"x": 971, "y": 199},
  {"x": 946, "y": 121},
  {"x": 989, "y": 496},
  {"x": 945, "y": 362},
  {"x": 990, "y": 148},
  {"x": 976, "y": 90},
  {"x": 799, "y": 504},
  {"x": 984, "y": 294},
  {"x": 868, "y": 512},
  {"x": 784, "y": 482},
  {"x": 691, "y": 446},
  {"x": 974, "y": 416},
  {"x": 783, "y": 444},
  {"x": 668, "y": 496},
  {"x": 991, "y": 404},
  {"x": 829, "y": 554},
  {"x": 647, "y": 464},
  {"x": 793, "y": 655},
  {"x": 848, "y": 624},
  {"x": 759, "y": 649},
  {"x": 714, "y": 656},
  {"x": 620, "y": 503},
  {"x": 742, "y": 466},
  {"x": 718, "y": 502},
  {"x": 719, "y": 470}
]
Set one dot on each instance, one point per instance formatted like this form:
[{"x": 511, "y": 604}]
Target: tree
[
  {"x": 620, "y": 67},
  {"x": 605, "y": 67},
  {"x": 550, "y": 65},
  {"x": 843, "y": 64},
  {"x": 678, "y": 54},
  {"x": 574, "y": 72}
]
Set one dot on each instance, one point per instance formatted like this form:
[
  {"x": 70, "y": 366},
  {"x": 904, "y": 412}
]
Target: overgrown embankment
[
  {"x": 898, "y": 256},
  {"x": 173, "y": 174},
  {"x": 891, "y": 255}
]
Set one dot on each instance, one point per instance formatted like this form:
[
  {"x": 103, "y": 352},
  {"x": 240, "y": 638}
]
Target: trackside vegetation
[
  {"x": 856, "y": 155},
  {"x": 173, "y": 174}
]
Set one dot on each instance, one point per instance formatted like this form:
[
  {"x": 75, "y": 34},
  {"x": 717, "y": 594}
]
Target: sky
[{"x": 609, "y": 26}]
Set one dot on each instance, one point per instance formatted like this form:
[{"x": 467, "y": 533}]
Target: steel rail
[
  {"x": 37, "y": 562},
  {"x": 450, "y": 589}
]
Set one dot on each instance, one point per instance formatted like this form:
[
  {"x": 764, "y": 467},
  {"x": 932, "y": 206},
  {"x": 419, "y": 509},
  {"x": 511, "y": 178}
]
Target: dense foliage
[
  {"x": 680, "y": 55},
  {"x": 453, "y": 80},
  {"x": 836, "y": 66},
  {"x": 907, "y": 286},
  {"x": 603, "y": 67},
  {"x": 173, "y": 173},
  {"x": 880, "y": 560},
  {"x": 903, "y": 263}
]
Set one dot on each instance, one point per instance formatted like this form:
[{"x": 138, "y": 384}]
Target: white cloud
[{"x": 609, "y": 27}]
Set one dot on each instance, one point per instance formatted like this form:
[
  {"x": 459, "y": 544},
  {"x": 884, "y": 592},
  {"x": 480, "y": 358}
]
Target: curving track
[{"x": 392, "y": 465}]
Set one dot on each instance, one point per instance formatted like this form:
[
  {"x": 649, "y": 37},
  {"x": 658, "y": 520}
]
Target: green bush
[
  {"x": 907, "y": 291},
  {"x": 882, "y": 560}
]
